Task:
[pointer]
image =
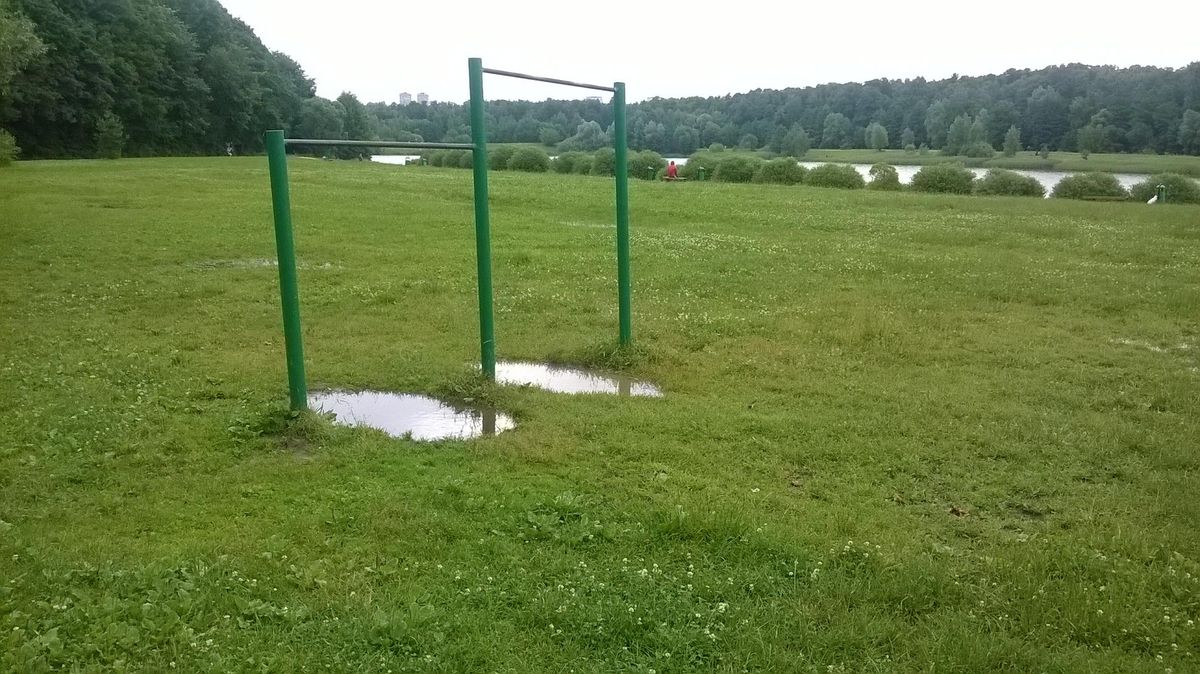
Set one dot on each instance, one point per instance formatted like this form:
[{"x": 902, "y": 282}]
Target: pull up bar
[
  {"x": 378, "y": 143},
  {"x": 551, "y": 80}
]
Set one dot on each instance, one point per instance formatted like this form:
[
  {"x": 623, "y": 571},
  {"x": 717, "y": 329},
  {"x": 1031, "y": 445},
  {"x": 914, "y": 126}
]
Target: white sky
[{"x": 378, "y": 48}]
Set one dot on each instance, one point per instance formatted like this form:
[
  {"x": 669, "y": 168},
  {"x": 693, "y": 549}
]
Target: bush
[
  {"x": 1180, "y": 189},
  {"x": 645, "y": 164},
  {"x": 531, "y": 159},
  {"x": 8, "y": 148},
  {"x": 979, "y": 151},
  {"x": 923, "y": 150},
  {"x": 700, "y": 159},
  {"x": 466, "y": 160},
  {"x": 582, "y": 164},
  {"x": 1089, "y": 186},
  {"x": 603, "y": 162},
  {"x": 910, "y": 149},
  {"x": 842, "y": 176},
  {"x": 736, "y": 169},
  {"x": 998, "y": 182},
  {"x": 716, "y": 147},
  {"x": 783, "y": 171},
  {"x": 565, "y": 162},
  {"x": 498, "y": 157},
  {"x": 453, "y": 158},
  {"x": 943, "y": 178},
  {"x": 884, "y": 177},
  {"x": 437, "y": 158}
]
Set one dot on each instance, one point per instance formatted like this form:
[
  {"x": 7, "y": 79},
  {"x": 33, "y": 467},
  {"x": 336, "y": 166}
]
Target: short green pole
[
  {"x": 624, "y": 291},
  {"x": 1162, "y": 194},
  {"x": 288, "y": 289},
  {"x": 483, "y": 235}
]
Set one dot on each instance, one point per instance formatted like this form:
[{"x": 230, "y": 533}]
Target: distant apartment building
[
  {"x": 405, "y": 98},
  {"x": 423, "y": 98}
]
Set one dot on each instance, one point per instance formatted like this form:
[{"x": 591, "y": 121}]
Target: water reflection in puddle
[
  {"x": 407, "y": 415},
  {"x": 571, "y": 380}
]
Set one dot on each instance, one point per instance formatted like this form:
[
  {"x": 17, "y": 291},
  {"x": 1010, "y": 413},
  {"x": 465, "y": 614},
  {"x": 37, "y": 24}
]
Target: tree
[
  {"x": 8, "y": 148},
  {"x": 959, "y": 135},
  {"x": 549, "y": 135},
  {"x": 1012, "y": 141},
  {"x": 355, "y": 125},
  {"x": 1045, "y": 121},
  {"x": 685, "y": 140},
  {"x": 836, "y": 133},
  {"x": 908, "y": 139},
  {"x": 321, "y": 118},
  {"x": 589, "y": 136},
  {"x": 796, "y": 142},
  {"x": 19, "y": 45},
  {"x": 937, "y": 123},
  {"x": 876, "y": 136},
  {"x": 110, "y": 137},
  {"x": 1089, "y": 139},
  {"x": 748, "y": 142},
  {"x": 979, "y": 132},
  {"x": 1189, "y": 132}
]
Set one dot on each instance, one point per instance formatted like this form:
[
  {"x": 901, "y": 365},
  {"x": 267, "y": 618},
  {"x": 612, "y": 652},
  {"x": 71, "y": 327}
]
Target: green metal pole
[
  {"x": 624, "y": 290},
  {"x": 288, "y": 290},
  {"x": 483, "y": 235}
]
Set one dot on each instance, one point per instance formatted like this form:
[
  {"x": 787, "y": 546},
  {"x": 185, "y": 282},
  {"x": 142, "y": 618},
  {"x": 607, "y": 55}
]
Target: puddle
[
  {"x": 407, "y": 415},
  {"x": 254, "y": 263},
  {"x": 571, "y": 380}
]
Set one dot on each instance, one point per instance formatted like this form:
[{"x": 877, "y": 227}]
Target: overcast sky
[{"x": 378, "y": 48}]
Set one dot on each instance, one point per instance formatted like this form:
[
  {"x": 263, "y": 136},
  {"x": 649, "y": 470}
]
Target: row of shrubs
[
  {"x": 939, "y": 178},
  {"x": 935, "y": 178},
  {"x": 646, "y": 164}
]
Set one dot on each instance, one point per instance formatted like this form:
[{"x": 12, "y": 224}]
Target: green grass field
[
  {"x": 1057, "y": 161},
  {"x": 901, "y": 432}
]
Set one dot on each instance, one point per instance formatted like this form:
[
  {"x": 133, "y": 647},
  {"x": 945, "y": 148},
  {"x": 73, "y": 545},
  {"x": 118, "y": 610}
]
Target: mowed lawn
[{"x": 900, "y": 432}]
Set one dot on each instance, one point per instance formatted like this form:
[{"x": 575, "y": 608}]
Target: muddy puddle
[
  {"x": 563, "y": 379},
  {"x": 408, "y": 415}
]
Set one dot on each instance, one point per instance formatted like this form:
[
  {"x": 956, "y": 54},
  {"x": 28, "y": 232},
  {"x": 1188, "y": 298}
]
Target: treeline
[
  {"x": 82, "y": 78},
  {"x": 1073, "y": 107},
  {"x": 85, "y": 78}
]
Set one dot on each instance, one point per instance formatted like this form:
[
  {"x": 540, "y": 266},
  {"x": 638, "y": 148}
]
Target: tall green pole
[
  {"x": 483, "y": 235},
  {"x": 624, "y": 291},
  {"x": 288, "y": 290}
]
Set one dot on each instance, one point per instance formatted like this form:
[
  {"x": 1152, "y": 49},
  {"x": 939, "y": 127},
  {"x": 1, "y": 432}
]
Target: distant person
[{"x": 672, "y": 171}]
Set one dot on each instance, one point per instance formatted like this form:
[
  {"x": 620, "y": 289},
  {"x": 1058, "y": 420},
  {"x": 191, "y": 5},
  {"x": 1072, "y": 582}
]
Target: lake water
[{"x": 400, "y": 159}]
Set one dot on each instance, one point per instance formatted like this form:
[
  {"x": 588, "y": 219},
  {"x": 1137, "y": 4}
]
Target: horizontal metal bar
[
  {"x": 380, "y": 143},
  {"x": 551, "y": 80}
]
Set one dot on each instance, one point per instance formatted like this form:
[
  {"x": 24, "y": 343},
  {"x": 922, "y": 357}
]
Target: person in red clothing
[{"x": 672, "y": 172}]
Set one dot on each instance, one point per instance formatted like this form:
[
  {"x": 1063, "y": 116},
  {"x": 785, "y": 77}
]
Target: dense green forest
[
  {"x": 83, "y": 78},
  {"x": 1072, "y": 107},
  {"x": 142, "y": 77}
]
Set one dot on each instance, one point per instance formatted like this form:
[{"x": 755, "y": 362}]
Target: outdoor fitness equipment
[{"x": 281, "y": 202}]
